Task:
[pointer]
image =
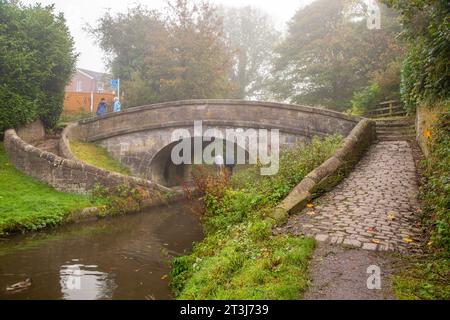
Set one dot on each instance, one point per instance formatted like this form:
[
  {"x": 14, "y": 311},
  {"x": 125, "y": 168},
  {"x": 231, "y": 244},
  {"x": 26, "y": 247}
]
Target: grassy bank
[
  {"x": 240, "y": 258},
  {"x": 424, "y": 277},
  {"x": 97, "y": 156},
  {"x": 428, "y": 276},
  {"x": 27, "y": 204}
]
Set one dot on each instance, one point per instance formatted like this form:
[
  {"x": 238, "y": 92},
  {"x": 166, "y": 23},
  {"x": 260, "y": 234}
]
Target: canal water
[{"x": 126, "y": 257}]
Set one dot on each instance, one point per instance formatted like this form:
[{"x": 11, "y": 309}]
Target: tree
[
  {"x": 128, "y": 38},
  {"x": 329, "y": 53},
  {"x": 203, "y": 61},
  {"x": 251, "y": 35},
  {"x": 365, "y": 100},
  {"x": 181, "y": 55},
  {"x": 37, "y": 61},
  {"x": 425, "y": 70}
]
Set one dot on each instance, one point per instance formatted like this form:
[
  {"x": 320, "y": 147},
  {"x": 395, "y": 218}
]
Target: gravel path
[{"x": 341, "y": 273}]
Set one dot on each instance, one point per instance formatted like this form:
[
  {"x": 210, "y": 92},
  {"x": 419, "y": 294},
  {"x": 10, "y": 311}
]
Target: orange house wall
[{"x": 76, "y": 102}]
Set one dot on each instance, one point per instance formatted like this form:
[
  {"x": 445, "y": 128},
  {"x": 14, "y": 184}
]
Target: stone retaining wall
[
  {"x": 426, "y": 117},
  {"x": 67, "y": 174},
  {"x": 359, "y": 139},
  {"x": 32, "y": 132}
]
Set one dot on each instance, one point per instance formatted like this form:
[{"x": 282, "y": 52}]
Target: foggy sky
[{"x": 79, "y": 13}]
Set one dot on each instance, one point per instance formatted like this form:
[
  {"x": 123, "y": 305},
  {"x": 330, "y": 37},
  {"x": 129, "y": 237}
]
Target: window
[
  {"x": 79, "y": 86},
  {"x": 100, "y": 87}
]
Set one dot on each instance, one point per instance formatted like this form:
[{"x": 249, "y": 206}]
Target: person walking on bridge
[
  {"x": 101, "y": 108},
  {"x": 117, "y": 106}
]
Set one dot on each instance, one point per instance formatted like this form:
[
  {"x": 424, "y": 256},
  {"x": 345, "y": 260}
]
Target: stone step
[
  {"x": 395, "y": 137},
  {"x": 395, "y": 125},
  {"x": 401, "y": 125},
  {"x": 394, "y": 131},
  {"x": 397, "y": 113},
  {"x": 404, "y": 121}
]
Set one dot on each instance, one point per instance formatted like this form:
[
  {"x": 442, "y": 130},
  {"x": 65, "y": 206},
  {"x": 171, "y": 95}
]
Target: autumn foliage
[{"x": 181, "y": 54}]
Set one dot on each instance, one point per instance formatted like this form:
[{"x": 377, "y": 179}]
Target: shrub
[
  {"x": 425, "y": 76},
  {"x": 365, "y": 100},
  {"x": 436, "y": 191},
  {"x": 37, "y": 61},
  {"x": 295, "y": 163}
]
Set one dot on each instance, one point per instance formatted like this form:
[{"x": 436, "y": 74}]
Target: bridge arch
[{"x": 163, "y": 171}]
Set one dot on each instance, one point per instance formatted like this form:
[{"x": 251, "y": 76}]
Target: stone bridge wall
[
  {"x": 294, "y": 119},
  {"x": 67, "y": 174}
]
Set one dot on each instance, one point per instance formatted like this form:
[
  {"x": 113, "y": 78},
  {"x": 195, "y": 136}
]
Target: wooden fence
[
  {"x": 78, "y": 102},
  {"x": 387, "y": 109}
]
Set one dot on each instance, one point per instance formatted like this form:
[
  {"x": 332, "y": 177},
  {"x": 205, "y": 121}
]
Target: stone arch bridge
[{"x": 141, "y": 137}]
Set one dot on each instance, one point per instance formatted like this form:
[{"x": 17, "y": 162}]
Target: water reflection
[
  {"x": 85, "y": 282},
  {"x": 120, "y": 258}
]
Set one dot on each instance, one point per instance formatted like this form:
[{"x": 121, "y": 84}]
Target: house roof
[{"x": 95, "y": 75}]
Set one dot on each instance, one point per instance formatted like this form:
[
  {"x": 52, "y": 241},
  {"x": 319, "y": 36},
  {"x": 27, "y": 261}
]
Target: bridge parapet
[{"x": 296, "y": 119}]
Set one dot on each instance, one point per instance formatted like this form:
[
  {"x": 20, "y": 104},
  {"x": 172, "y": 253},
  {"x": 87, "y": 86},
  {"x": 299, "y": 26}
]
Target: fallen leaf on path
[
  {"x": 310, "y": 205},
  {"x": 372, "y": 229},
  {"x": 391, "y": 216},
  {"x": 407, "y": 240},
  {"x": 164, "y": 277},
  {"x": 376, "y": 241}
]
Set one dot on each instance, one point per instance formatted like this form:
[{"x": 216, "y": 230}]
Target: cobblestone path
[{"x": 375, "y": 207}]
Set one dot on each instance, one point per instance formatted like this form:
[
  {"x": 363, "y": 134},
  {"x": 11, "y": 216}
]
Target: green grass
[
  {"x": 244, "y": 262},
  {"x": 27, "y": 204},
  {"x": 97, "y": 156},
  {"x": 239, "y": 257},
  {"x": 424, "y": 278}
]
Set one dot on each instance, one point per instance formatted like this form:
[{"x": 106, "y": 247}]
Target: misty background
[{"x": 82, "y": 12}]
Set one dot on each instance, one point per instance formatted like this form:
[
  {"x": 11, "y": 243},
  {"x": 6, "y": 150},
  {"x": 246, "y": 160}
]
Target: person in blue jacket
[
  {"x": 101, "y": 108},
  {"x": 117, "y": 106}
]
